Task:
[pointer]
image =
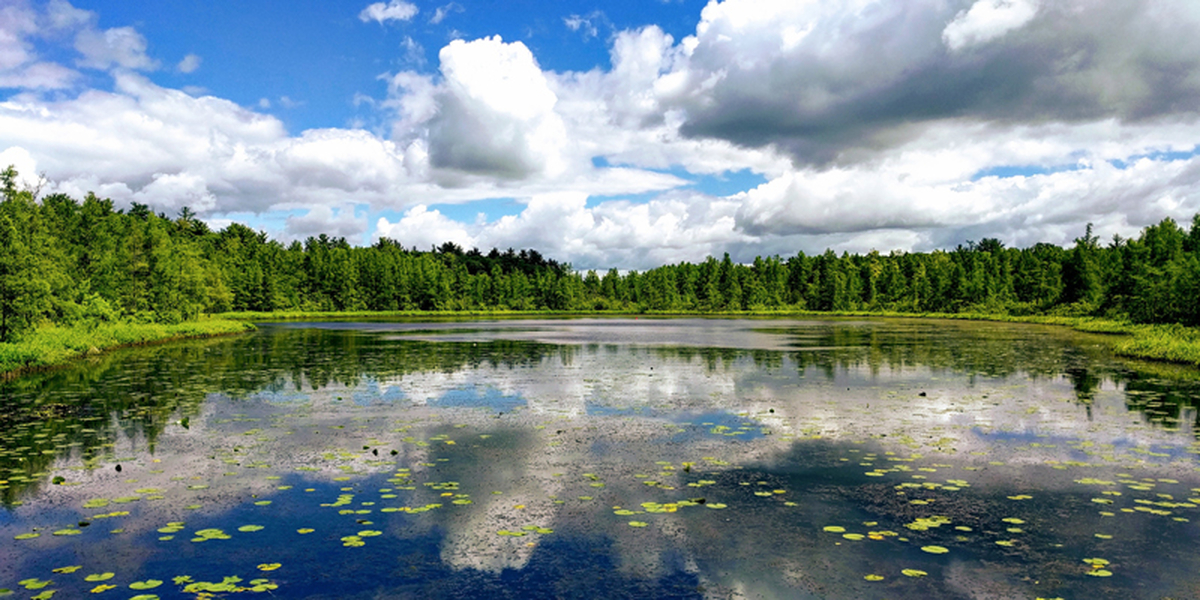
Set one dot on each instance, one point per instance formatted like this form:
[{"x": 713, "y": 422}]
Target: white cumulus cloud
[
  {"x": 987, "y": 20},
  {"x": 189, "y": 64},
  {"x": 396, "y": 10},
  {"x": 117, "y": 47}
]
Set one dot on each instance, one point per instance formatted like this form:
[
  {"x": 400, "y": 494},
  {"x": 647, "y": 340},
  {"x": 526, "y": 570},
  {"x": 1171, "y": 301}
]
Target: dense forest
[{"x": 68, "y": 262}]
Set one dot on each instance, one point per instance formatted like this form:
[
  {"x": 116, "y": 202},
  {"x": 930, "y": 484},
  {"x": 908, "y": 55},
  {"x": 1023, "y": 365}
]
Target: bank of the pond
[
  {"x": 1168, "y": 343},
  {"x": 56, "y": 345}
]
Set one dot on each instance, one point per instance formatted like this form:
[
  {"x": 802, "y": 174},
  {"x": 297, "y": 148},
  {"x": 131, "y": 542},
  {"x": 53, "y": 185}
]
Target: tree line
[{"x": 66, "y": 261}]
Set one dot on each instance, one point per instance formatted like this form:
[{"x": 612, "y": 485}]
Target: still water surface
[{"x": 605, "y": 458}]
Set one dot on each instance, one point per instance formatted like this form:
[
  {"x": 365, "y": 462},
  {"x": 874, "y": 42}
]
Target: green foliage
[
  {"x": 53, "y": 345},
  {"x": 89, "y": 265}
]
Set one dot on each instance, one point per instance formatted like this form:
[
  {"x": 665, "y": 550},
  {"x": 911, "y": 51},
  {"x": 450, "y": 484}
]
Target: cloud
[
  {"x": 62, "y": 16},
  {"x": 189, "y": 64},
  {"x": 171, "y": 192},
  {"x": 874, "y": 125},
  {"x": 414, "y": 52},
  {"x": 339, "y": 222},
  {"x": 841, "y": 82},
  {"x": 987, "y": 20},
  {"x": 395, "y": 10},
  {"x": 495, "y": 114},
  {"x": 17, "y": 22},
  {"x": 588, "y": 25},
  {"x": 442, "y": 12},
  {"x": 423, "y": 228},
  {"x": 934, "y": 195},
  {"x": 560, "y": 224},
  {"x": 120, "y": 47},
  {"x": 41, "y": 75},
  {"x": 19, "y": 63}
]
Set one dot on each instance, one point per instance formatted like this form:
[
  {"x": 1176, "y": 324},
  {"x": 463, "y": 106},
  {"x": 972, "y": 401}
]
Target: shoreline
[
  {"x": 57, "y": 346},
  {"x": 1176, "y": 344}
]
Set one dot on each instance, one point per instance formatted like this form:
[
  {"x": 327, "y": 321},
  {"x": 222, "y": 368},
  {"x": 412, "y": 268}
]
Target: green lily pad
[
  {"x": 148, "y": 584},
  {"x": 935, "y": 549}
]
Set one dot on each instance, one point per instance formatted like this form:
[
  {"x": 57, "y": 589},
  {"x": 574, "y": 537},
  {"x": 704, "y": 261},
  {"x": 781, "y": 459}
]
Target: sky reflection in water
[{"x": 765, "y": 458}]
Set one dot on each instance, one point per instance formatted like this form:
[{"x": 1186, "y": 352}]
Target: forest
[{"x": 68, "y": 262}]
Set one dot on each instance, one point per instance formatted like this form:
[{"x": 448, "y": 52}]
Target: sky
[{"x": 617, "y": 134}]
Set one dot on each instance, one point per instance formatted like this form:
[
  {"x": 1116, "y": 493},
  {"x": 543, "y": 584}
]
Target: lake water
[{"x": 605, "y": 458}]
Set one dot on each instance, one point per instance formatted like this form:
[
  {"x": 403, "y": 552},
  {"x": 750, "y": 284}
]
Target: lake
[{"x": 605, "y": 458}]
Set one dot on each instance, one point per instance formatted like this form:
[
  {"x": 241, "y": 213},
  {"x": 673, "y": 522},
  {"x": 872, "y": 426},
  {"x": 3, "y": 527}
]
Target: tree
[
  {"x": 28, "y": 273},
  {"x": 1081, "y": 279}
]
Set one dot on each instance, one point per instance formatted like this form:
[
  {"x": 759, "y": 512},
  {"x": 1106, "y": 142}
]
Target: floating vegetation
[
  {"x": 205, "y": 535},
  {"x": 996, "y": 463}
]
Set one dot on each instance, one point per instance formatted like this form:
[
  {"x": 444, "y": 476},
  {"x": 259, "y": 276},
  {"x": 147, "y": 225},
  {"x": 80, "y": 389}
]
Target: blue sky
[
  {"x": 321, "y": 55},
  {"x": 619, "y": 134}
]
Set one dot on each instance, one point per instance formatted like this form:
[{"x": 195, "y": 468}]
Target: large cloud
[
  {"x": 673, "y": 228},
  {"x": 496, "y": 114},
  {"x": 875, "y": 125},
  {"x": 838, "y": 81}
]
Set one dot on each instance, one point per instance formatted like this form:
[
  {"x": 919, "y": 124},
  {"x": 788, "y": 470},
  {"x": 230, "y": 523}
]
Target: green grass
[{"x": 55, "y": 345}]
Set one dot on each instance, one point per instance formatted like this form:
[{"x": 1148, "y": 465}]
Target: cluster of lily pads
[{"x": 185, "y": 583}]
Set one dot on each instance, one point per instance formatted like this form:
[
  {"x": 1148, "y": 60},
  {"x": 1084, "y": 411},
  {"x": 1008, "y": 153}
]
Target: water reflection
[{"x": 793, "y": 426}]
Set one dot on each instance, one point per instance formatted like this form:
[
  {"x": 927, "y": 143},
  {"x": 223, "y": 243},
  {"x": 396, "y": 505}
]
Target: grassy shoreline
[
  {"x": 56, "y": 345},
  {"x": 53, "y": 346}
]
